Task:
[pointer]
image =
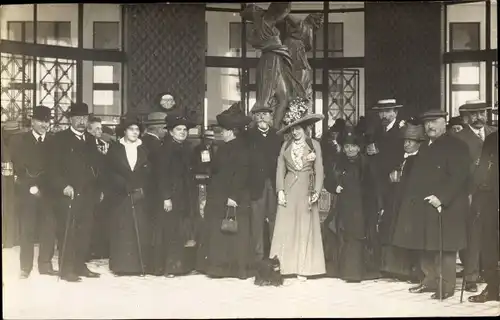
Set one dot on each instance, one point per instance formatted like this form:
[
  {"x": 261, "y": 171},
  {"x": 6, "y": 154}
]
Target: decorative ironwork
[
  {"x": 57, "y": 87},
  {"x": 343, "y": 101},
  {"x": 16, "y": 86}
]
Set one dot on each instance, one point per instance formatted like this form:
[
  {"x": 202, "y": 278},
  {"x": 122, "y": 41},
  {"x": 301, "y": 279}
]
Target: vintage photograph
[{"x": 203, "y": 160}]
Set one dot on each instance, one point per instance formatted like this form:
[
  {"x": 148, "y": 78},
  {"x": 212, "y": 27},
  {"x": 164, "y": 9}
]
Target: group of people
[{"x": 406, "y": 196}]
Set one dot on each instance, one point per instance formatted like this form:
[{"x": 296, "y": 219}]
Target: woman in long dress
[
  {"x": 297, "y": 235},
  {"x": 174, "y": 227},
  {"x": 128, "y": 172},
  {"x": 224, "y": 254}
]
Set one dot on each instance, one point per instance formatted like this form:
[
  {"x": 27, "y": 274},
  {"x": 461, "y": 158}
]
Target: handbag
[{"x": 229, "y": 224}]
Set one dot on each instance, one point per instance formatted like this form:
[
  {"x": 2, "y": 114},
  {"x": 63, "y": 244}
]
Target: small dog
[{"x": 269, "y": 273}]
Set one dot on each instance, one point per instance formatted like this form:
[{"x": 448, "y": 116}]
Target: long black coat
[
  {"x": 227, "y": 254},
  {"x": 441, "y": 169},
  {"x": 122, "y": 181},
  {"x": 264, "y": 152}
]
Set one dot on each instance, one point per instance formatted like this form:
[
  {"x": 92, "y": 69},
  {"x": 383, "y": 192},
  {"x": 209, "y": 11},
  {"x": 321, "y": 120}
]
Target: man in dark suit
[
  {"x": 31, "y": 165},
  {"x": 75, "y": 172},
  {"x": 473, "y": 134},
  {"x": 487, "y": 173},
  {"x": 437, "y": 186},
  {"x": 155, "y": 131},
  {"x": 385, "y": 149},
  {"x": 265, "y": 146}
]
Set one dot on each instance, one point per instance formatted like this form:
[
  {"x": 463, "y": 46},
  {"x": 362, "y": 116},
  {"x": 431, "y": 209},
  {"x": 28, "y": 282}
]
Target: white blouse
[{"x": 131, "y": 151}]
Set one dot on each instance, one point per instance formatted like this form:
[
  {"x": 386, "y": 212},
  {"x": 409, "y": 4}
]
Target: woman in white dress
[{"x": 297, "y": 234}]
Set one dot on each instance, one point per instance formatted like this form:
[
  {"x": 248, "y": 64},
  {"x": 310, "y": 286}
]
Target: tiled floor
[{"x": 195, "y": 296}]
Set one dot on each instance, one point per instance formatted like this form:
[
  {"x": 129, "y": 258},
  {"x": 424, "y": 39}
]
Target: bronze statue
[
  {"x": 299, "y": 40},
  {"x": 275, "y": 77}
]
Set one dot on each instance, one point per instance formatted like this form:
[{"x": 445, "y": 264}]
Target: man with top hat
[
  {"x": 385, "y": 148},
  {"x": 434, "y": 206},
  {"x": 473, "y": 134},
  {"x": 264, "y": 146},
  {"x": 487, "y": 173},
  {"x": 399, "y": 262},
  {"x": 75, "y": 173},
  {"x": 31, "y": 159}
]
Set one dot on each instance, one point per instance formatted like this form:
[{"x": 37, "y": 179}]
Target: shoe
[
  {"x": 49, "y": 271},
  {"x": 446, "y": 295},
  {"x": 421, "y": 288},
  {"x": 71, "y": 277},
  {"x": 89, "y": 274},
  {"x": 483, "y": 297},
  {"x": 24, "y": 274},
  {"x": 470, "y": 287}
]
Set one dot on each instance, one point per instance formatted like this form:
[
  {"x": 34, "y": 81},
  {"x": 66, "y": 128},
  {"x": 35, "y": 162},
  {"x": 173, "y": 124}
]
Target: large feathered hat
[{"x": 297, "y": 113}]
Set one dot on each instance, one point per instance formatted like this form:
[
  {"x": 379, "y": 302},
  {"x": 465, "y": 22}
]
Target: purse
[{"x": 229, "y": 224}]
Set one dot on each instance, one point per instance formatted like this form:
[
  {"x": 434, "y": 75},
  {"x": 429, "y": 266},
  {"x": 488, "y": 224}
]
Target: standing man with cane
[
  {"x": 74, "y": 176},
  {"x": 434, "y": 205}
]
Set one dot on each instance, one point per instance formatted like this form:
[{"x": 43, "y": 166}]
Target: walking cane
[
  {"x": 134, "y": 216},
  {"x": 69, "y": 221},
  {"x": 440, "y": 218}
]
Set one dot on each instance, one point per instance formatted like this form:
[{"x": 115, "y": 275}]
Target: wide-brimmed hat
[
  {"x": 473, "y": 106},
  {"x": 260, "y": 108},
  {"x": 156, "y": 117},
  {"x": 41, "y": 113},
  {"x": 233, "y": 117},
  {"x": 127, "y": 121},
  {"x": 413, "y": 132},
  {"x": 174, "y": 119},
  {"x": 386, "y": 104},
  {"x": 296, "y": 114},
  {"x": 78, "y": 109},
  {"x": 433, "y": 114}
]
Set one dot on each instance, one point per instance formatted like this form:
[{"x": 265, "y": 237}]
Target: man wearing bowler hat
[
  {"x": 75, "y": 172},
  {"x": 434, "y": 206},
  {"x": 265, "y": 146},
  {"x": 474, "y": 132},
  {"x": 31, "y": 165}
]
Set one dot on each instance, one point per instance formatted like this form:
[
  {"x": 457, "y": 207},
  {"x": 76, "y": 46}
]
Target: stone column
[
  {"x": 403, "y": 54},
  {"x": 165, "y": 47}
]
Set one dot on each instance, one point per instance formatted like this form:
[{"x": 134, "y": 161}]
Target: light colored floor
[{"x": 195, "y": 296}]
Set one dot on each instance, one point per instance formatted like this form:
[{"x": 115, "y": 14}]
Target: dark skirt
[
  {"x": 225, "y": 255},
  {"x": 124, "y": 254}
]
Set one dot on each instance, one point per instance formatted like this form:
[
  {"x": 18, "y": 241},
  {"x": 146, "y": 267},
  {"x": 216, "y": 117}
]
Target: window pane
[
  {"x": 13, "y": 18},
  {"x": 465, "y": 73},
  {"x": 223, "y": 89},
  {"x": 464, "y": 36},
  {"x": 105, "y": 81},
  {"x": 102, "y": 98},
  {"x": 467, "y": 39},
  {"x": 107, "y": 35},
  {"x": 58, "y": 24},
  {"x": 219, "y": 34},
  {"x": 494, "y": 24},
  {"x": 103, "y": 74},
  {"x": 461, "y": 97}
]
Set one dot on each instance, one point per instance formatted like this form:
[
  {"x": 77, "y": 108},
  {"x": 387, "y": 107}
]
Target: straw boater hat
[
  {"x": 433, "y": 114},
  {"x": 297, "y": 114},
  {"x": 233, "y": 118},
  {"x": 414, "y": 132},
  {"x": 386, "y": 104},
  {"x": 156, "y": 117},
  {"x": 259, "y": 108},
  {"x": 474, "y": 106}
]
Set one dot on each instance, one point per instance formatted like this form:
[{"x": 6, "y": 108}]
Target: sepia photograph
[{"x": 215, "y": 160}]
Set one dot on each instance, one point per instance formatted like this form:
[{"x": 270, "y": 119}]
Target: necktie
[
  {"x": 39, "y": 139},
  {"x": 480, "y": 134}
]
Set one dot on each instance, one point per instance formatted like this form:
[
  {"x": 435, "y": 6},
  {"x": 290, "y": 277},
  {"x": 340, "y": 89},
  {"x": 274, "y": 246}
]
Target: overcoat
[
  {"x": 220, "y": 254},
  {"x": 176, "y": 181},
  {"x": 125, "y": 211},
  {"x": 441, "y": 169}
]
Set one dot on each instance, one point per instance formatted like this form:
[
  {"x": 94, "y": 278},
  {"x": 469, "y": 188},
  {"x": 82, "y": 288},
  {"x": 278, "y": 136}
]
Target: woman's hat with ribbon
[
  {"x": 233, "y": 117},
  {"x": 297, "y": 114},
  {"x": 174, "y": 119}
]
